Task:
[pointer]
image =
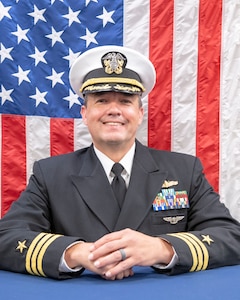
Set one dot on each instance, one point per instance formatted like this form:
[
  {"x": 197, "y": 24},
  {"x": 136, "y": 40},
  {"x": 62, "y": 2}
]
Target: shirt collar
[{"x": 126, "y": 161}]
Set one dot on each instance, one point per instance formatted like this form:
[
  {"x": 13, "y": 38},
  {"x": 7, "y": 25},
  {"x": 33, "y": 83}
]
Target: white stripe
[
  {"x": 37, "y": 140},
  {"x": 136, "y": 36},
  {"x": 82, "y": 137},
  {"x": 230, "y": 108},
  {"x": 184, "y": 83}
]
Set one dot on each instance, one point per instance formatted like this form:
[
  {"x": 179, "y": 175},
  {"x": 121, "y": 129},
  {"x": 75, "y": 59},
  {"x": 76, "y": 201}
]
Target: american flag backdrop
[{"x": 194, "y": 108}]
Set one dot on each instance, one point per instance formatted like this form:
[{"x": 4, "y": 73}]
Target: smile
[{"x": 113, "y": 123}]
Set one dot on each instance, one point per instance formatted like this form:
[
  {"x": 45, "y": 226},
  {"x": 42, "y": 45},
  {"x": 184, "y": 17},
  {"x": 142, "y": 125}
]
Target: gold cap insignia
[{"x": 114, "y": 62}]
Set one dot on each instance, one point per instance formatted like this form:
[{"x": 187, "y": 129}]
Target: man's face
[{"x": 112, "y": 118}]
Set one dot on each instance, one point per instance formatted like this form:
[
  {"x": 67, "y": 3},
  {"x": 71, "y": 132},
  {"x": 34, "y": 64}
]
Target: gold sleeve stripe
[
  {"x": 192, "y": 249},
  {"x": 35, "y": 254},
  {"x": 36, "y": 251},
  {"x": 42, "y": 252},
  {"x": 200, "y": 257},
  {"x": 30, "y": 251},
  {"x": 198, "y": 250},
  {"x": 203, "y": 248}
]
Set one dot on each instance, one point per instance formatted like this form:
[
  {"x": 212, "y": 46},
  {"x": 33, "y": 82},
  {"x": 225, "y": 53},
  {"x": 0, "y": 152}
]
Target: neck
[{"x": 114, "y": 152}]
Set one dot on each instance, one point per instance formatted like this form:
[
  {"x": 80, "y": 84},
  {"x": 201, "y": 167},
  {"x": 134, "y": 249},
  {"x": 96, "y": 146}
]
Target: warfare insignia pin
[
  {"x": 173, "y": 220},
  {"x": 21, "y": 246},
  {"x": 168, "y": 184}
]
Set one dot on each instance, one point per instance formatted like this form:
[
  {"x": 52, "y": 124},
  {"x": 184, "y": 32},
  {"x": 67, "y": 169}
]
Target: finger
[
  {"x": 122, "y": 267},
  {"x": 125, "y": 274},
  {"x": 117, "y": 235},
  {"x": 120, "y": 276},
  {"x": 110, "y": 259},
  {"x": 109, "y": 278},
  {"x": 106, "y": 249}
]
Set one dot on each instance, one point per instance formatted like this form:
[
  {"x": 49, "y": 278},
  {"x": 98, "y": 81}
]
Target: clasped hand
[{"x": 105, "y": 258}]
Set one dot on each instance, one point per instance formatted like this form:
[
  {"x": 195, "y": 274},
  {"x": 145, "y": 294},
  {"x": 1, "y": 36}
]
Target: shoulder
[
  {"x": 66, "y": 161},
  {"x": 168, "y": 159},
  {"x": 172, "y": 155},
  {"x": 166, "y": 155}
]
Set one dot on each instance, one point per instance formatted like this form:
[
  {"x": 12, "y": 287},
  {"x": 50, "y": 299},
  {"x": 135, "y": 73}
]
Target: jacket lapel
[
  {"x": 95, "y": 190},
  {"x": 146, "y": 181}
]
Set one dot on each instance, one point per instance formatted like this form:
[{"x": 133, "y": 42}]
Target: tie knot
[{"x": 117, "y": 169}]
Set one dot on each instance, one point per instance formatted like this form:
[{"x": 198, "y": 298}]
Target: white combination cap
[{"x": 112, "y": 68}]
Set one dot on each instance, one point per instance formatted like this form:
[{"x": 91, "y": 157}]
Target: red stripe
[
  {"x": 61, "y": 136},
  {"x": 161, "y": 44},
  {"x": 13, "y": 159},
  {"x": 208, "y": 91}
]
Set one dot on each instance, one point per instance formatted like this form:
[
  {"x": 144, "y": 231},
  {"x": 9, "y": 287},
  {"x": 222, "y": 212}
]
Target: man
[{"x": 69, "y": 218}]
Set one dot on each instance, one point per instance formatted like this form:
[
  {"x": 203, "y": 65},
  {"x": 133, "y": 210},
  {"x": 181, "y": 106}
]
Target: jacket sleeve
[
  {"x": 28, "y": 244},
  {"x": 212, "y": 238}
]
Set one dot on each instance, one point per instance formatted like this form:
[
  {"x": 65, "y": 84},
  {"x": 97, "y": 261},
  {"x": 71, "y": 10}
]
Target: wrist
[
  {"x": 73, "y": 255},
  {"x": 167, "y": 252}
]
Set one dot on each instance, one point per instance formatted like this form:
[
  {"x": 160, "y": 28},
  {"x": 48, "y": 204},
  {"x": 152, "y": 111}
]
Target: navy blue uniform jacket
[{"x": 69, "y": 198}]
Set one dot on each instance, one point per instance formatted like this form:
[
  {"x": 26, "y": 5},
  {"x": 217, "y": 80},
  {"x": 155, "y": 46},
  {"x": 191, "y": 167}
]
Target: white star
[
  {"x": 5, "y": 95},
  {"x": 72, "y": 99},
  {"x": 4, "y": 11},
  {"x": 71, "y": 57},
  {"x": 89, "y": 37},
  {"x": 55, "y": 36},
  {"x": 106, "y": 17},
  {"x": 88, "y": 1},
  {"x": 21, "y": 34},
  {"x": 52, "y": 1},
  {"x": 38, "y": 56},
  {"x": 5, "y": 53},
  {"x": 72, "y": 16},
  {"x": 39, "y": 97},
  {"x": 37, "y": 14},
  {"x": 21, "y": 75},
  {"x": 55, "y": 77}
]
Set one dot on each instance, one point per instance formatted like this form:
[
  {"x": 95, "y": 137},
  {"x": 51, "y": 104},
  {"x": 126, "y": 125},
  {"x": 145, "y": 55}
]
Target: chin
[{"x": 114, "y": 141}]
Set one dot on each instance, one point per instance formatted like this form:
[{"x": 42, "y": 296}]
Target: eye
[
  {"x": 101, "y": 100},
  {"x": 126, "y": 101}
]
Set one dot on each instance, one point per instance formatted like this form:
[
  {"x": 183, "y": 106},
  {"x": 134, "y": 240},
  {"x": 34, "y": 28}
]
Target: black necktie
[{"x": 118, "y": 183}]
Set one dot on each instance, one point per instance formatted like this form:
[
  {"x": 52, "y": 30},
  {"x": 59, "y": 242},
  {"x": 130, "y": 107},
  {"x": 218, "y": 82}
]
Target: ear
[
  {"x": 141, "y": 113},
  {"x": 84, "y": 114}
]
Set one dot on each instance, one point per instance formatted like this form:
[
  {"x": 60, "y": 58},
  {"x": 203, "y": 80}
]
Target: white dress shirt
[{"x": 126, "y": 162}]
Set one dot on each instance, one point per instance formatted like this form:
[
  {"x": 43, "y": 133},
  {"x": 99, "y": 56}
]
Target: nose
[{"x": 114, "y": 108}]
